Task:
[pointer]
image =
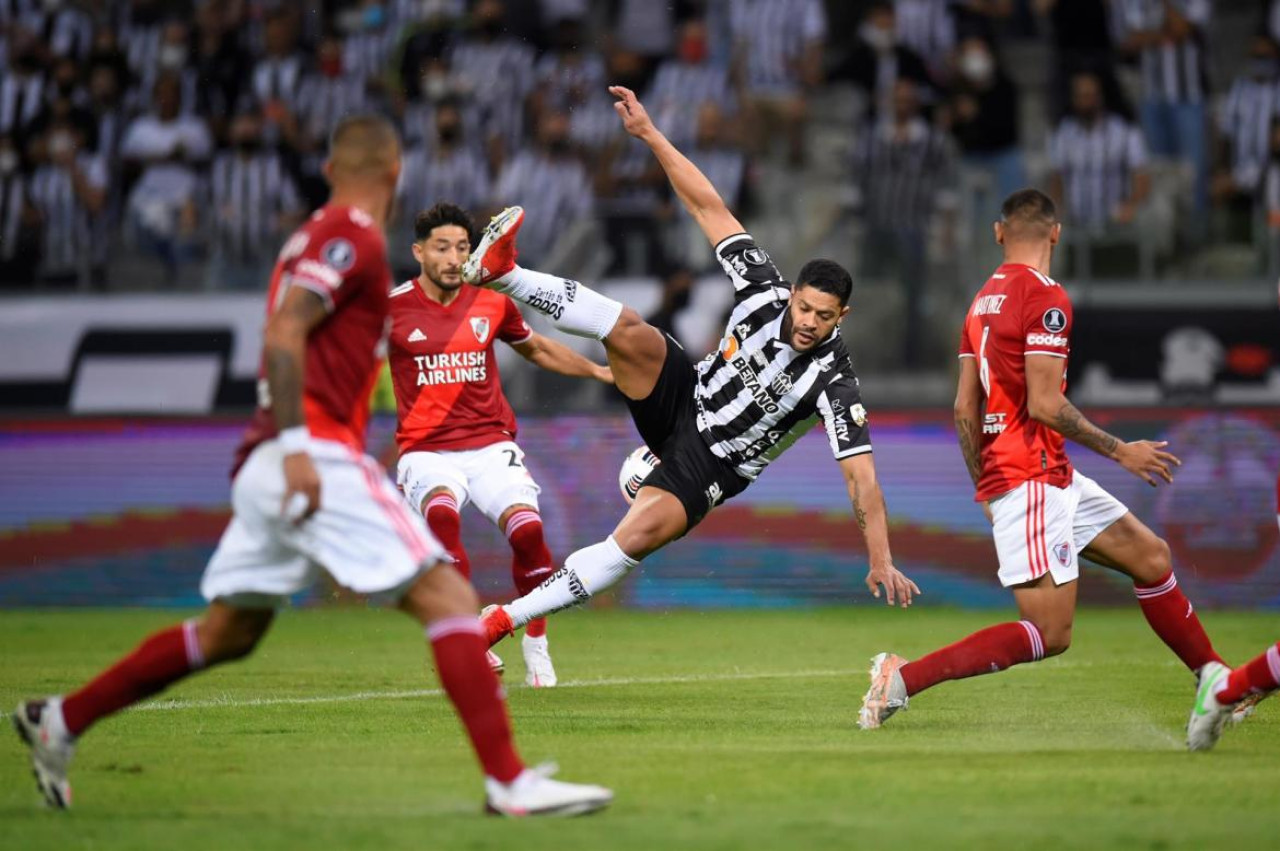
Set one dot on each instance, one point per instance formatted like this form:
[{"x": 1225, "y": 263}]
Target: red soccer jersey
[
  {"x": 1016, "y": 313},
  {"x": 448, "y": 393},
  {"x": 339, "y": 254}
]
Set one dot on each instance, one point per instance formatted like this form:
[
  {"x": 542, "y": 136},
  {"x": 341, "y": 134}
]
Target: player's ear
[
  {"x": 844, "y": 311},
  {"x": 417, "y": 251},
  {"x": 998, "y": 229},
  {"x": 1055, "y": 233}
]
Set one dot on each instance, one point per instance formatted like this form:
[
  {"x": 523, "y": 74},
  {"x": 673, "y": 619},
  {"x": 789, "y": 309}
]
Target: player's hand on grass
[
  {"x": 898, "y": 589},
  {"x": 635, "y": 120},
  {"x": 1147, "y": 460},
  {"x": 301, "y": 487}
]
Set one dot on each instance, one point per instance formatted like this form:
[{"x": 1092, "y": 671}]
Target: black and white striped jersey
[
  {"x": 757, "y": 395},
  {"x": 1172, "y": 71}
]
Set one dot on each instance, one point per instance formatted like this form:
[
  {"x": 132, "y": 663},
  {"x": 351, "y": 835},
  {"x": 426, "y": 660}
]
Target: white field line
[{"x": 360, "y": 696}]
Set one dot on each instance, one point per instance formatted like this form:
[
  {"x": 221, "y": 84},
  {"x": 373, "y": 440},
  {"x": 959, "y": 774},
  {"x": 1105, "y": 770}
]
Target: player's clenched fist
[
  {"x": 635, "y": 120},
  {"x": 301, "y": 487}
]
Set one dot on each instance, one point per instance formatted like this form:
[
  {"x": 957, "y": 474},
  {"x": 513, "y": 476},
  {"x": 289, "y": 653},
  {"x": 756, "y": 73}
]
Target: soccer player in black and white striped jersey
[{"x": 780, "y": 366}]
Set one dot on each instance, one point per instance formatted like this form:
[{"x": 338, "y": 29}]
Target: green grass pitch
[{"x": 718, "y": 730}]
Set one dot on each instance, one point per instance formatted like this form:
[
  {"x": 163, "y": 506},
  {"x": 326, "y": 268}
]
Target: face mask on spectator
[
  {"x": 374, "y": 17},
  {"x": 558, "y": 147},
  {"x": 435, "y": 85},
  {"x": 879, "y": 39},
  {"x": 8, "y": 161},
  {"x": 247, "y": 145},
  {"x": 331, "y": 66},
  {"x": 52, "y": 5},
  {"x": 60, "y": 143},
  {"x": 449, "y": 133},
  {"x": 490, "y": 26},
  {"x": 693, "y": 49},
  {"x": 172, "y": 56},
  {"x": 978, "y": 66}
]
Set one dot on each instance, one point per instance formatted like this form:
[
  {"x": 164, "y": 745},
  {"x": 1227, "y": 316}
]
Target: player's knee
[{"x": 1159, "y": 559}]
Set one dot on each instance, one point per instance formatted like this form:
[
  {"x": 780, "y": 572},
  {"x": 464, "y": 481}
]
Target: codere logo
[{"x": 1046, "y": 340}]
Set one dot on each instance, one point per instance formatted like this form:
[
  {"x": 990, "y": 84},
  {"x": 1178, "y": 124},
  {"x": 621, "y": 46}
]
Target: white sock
[
  {"x": 571, "y": 307},
  {"x": 585, "y": 573}
]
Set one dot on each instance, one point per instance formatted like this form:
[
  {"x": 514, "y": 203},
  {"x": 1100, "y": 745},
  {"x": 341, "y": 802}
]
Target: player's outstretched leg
[
  {"x": 50, "y": 727},
  {"x": 1045, "y": 630},
  {"x": 635, "y": 349},
  {"x": 530, "y": 566},
  {"x": 444, "y": 603},
  {"x": 655, "y": 519},
  {"x": 571, "y": 307}
]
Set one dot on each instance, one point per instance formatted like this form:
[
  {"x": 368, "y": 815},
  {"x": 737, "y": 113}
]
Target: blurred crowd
[{"x": 192, "y": 133}]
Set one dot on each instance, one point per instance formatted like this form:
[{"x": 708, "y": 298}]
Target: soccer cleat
[
  {"x": 888, "y": 693},
  {"x": 51, "y": 749},
  {"x": 495, "y": 662},
  {"x": 534, "y": 793},
  {"x": 495, "y": 256},
  {"x": 497, "y": 624},
  {"x": 1208, "y": 716},
  {"x": 539, "y": 672},
  {"x": 1246, "y": 707}
]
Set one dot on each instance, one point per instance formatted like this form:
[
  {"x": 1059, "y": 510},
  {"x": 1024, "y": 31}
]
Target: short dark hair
[
  {"x": 440, "y": 215},
  {"x": 1029, "y": 210},
  {"x": 827, "y": 276}
]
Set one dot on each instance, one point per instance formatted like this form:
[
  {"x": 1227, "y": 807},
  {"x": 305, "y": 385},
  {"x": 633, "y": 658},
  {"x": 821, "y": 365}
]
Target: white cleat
[
  {"x": 888, "y": 693},
  {"x": 51, "y": 747},
  {"x": 539, "y": 672},
  {"x": 495, "y": 662},
  {"x": 1208, "y": 716},
  {"x": 534, "y": 793}
]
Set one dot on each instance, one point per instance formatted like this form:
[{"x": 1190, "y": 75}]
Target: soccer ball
[{"x": 635, "y": 470}]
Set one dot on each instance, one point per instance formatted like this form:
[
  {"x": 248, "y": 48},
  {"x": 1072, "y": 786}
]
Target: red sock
[
  {"x": 446, "y": 524},
  {"x": 159, "y": 661},
  {"x": 530, "y": 559},
  {"x": 985, "y": 652},
  {"x": 1259, "y": 675},
  {"x": 459, "y": 647},
  {"x": 1173, "y": 619}
]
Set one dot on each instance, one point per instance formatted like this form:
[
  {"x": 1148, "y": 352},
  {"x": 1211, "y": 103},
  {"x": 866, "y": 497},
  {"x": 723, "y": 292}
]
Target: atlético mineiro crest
[
  {"x": 480, "y": 327},
  {"x": 1062, "y": 552},
  {"x": 781, "y": 384}
]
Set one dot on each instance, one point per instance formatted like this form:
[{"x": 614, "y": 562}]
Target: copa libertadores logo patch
[{"x": 1054, "y": 320}]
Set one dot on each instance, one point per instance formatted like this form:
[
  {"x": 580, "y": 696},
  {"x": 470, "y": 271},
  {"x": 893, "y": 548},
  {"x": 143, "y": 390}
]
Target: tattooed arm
[
  {"x": 968, "y": 417},
  {"x": 1046, "y": 404},
  {"x": 873, "y": 519},
  {"x": 284, "y": 352}
]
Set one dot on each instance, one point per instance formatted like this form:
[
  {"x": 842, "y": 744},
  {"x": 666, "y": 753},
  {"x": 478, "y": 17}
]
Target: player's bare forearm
[
  {"x": 691, "y": 186},
  {"x": 556, "y": 357},
  {"x": 869, "y": 510},
  {"x": 1073, "y": 425},
  {"x": 969, "y": 433},
  {"x": 968, "y": 418},
  {"x": 284, "y": 353}
]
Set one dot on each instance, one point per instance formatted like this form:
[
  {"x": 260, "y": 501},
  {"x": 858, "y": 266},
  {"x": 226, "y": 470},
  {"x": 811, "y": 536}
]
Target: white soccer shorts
[
  {"x": 363, "y": 535},
  {"x": 1041, "y": 529},
  {"x": 493, "y": 477}
]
